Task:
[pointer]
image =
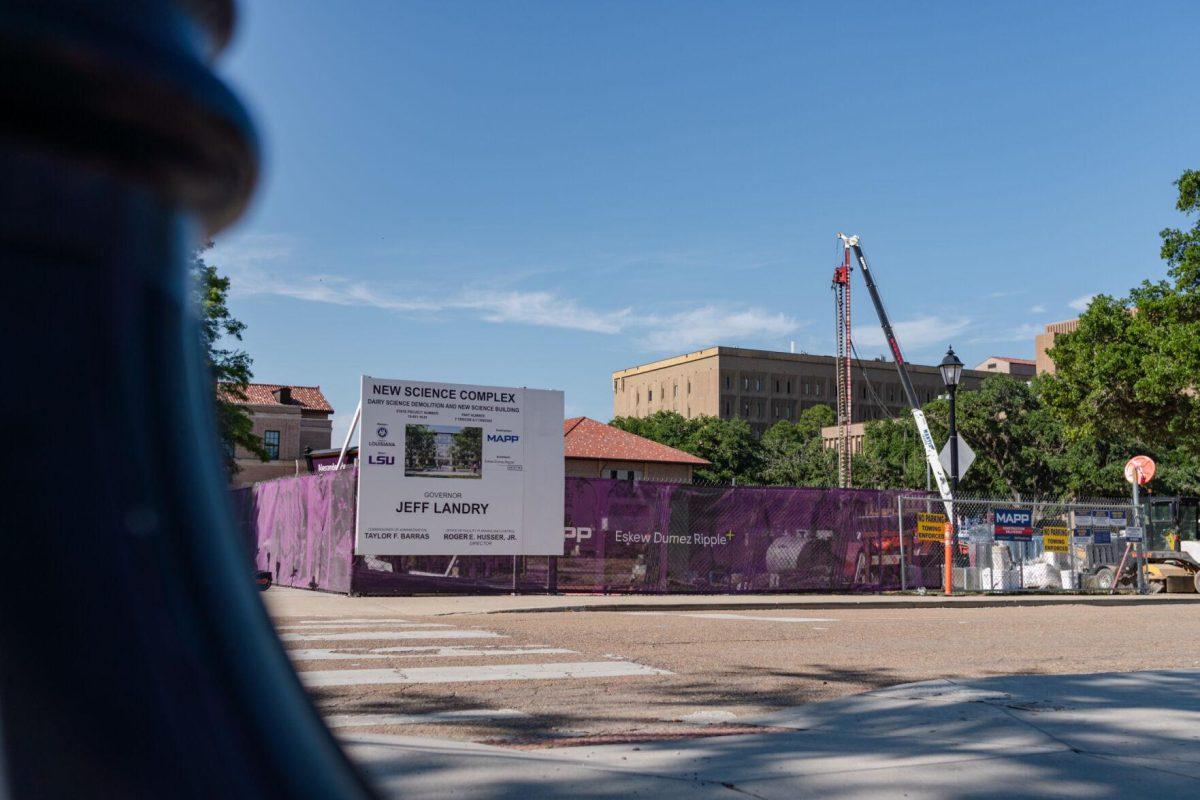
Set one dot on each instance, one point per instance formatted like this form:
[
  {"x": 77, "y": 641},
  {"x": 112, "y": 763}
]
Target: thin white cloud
[
  {"x": 1080, "y": 304},
  {"x": 915, "y": 334},
  {"x": 1038, "y": 309},
  {"x": 542, "y": 308},
  {"x": 710, "y": 325},
  {"x": 253, "y": 264}
]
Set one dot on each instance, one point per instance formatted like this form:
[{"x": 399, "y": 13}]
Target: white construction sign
[{"x": 448, "y": 469}]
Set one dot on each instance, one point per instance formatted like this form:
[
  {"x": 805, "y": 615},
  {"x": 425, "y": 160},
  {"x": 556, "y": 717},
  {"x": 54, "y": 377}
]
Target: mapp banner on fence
[
  {"x": 930, "y": 527},
  {"x": 1056, "y": 539},
  {"x": 447, "y": 469},
  {"x": 1013, "y": 523}
]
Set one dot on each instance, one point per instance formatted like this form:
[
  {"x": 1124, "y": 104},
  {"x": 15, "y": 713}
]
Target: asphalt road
[{"x": 561, "y": 678}]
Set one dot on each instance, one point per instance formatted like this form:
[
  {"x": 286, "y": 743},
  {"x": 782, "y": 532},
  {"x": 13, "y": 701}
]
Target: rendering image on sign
[
  {"x": 443, "y": 451},
  {"x": 450, "y": 469}
]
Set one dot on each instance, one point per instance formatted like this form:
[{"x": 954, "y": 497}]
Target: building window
[
  {"x": 789, "y": 387},
  {"x": 746, "y": 410},
  {"x": 726, "y": 408},
  {"x": 745, "y": 384},
  {"x": 614, "y": 387},
  {"x": 727, "y": 382},
  {"x": 776, "y": 387},
  {"x": 762, "y": 409},
  {"x": 271, "y": 444},
  {"x": 675, "y": 390},
  {"x": 689, "y": 386},
  {"x": 649, "y": 395},
  {"x": 758, "y": 384}
]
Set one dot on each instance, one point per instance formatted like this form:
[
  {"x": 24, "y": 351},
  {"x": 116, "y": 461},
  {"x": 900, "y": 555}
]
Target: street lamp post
[{"x": 951, "y": 369}]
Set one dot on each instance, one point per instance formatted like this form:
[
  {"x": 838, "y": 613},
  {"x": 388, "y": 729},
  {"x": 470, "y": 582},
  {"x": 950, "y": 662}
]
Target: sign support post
[
  {"x": 1139, "y": 470},
  {"x": 349, "y": 435}
]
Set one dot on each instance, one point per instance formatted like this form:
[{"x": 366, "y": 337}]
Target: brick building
[
  {"x": 288, "y": 419},
  {"x": 764, "y": 386}
]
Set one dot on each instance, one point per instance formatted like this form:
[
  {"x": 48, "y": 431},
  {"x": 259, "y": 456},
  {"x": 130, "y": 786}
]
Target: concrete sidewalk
[
  {"x": 1096, "y": 736},
  {"x": 287, "y": 602}
]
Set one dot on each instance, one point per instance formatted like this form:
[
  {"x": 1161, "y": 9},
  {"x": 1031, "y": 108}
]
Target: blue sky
[{"x": 537, "y": 194}]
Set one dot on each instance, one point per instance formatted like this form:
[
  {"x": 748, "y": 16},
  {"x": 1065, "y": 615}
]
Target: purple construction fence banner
[{"x": 620, "y": 536}]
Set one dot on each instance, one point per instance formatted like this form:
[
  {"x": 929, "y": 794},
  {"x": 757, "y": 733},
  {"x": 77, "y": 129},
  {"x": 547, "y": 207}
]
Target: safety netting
[{"x": 619, "y": 536}]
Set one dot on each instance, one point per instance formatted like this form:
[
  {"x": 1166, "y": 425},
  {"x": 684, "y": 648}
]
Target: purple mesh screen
[{"x": 621, "y": 536}]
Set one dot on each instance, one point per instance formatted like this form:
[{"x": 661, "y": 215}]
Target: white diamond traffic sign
[{"x": 966, "y": 457}]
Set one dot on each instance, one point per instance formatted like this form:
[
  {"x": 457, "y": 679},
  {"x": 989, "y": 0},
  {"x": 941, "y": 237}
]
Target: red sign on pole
[{"x": 1139, "y": 470}]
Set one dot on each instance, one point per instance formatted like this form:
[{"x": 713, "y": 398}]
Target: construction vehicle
[
  {"x": 1166, "y": 571},
  {"x": 853, "y": 244}
]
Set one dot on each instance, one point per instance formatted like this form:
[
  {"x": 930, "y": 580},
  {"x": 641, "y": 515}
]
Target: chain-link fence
[{"x": 1005, "y": 545}]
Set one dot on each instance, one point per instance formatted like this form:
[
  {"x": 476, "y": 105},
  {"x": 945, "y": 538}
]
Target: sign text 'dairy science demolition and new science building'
[{"x": 448, "y": 469}]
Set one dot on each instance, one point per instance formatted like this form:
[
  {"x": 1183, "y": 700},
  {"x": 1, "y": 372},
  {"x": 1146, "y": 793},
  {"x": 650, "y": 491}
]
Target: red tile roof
[
  {"x": 587, "y": 438},
  {"x": 263, "y": 394}
]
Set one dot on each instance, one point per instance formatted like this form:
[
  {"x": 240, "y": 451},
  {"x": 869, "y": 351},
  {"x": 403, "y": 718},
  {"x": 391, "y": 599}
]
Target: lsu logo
[
  {"x": 384, "y": 460},
  {"x": 503, "y": 437}
]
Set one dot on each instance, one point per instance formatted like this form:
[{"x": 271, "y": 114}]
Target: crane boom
[{"x": 851, "y": 243}]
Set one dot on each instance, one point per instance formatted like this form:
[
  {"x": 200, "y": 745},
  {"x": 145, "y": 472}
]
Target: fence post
[
  {"x": 947, "y": 557},
  {"x": 900, "y": 528}
]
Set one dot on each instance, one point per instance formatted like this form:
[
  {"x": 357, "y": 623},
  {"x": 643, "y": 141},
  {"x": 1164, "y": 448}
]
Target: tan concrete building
[
  {"x": 288, "y": 419},
  {"x": 1045, "y": 340},
  {"x": 1017, "y": 367},
  {"x": 764, "y": 386},
  {"x": 829, "y": 437}
]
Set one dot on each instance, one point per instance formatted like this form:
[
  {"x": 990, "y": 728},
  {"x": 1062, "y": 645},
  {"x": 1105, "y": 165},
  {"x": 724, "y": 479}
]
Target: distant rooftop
[
  {"x": 268, "y": 394},
  {"x": 586, "y": 438}
]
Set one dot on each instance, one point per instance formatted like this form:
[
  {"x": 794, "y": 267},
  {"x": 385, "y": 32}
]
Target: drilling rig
[
  {"x": 852, "y": 244},
  {"x": 845, "y": 394}
]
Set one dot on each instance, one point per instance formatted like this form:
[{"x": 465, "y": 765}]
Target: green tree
[
  {"x": 666, "y": 427},
  {"x": 466, "y": 449},
  {"x": 228, "y": 367},
  {"x": 1017, "y": 441},
  {"x": 420, "y": 448},
  {"x": 731, "y": 447},
  {"x": 728, "y": 443},
  {"x": 793, "y": 453},
  {"x": 891, "y": 456},
  {"x": 1130, "y": 370}
]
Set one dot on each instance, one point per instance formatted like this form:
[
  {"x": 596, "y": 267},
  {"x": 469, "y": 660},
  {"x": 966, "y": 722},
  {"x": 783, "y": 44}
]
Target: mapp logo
[
  {"x": 1004, "y": 517},
  {"x": 388, "y": 460},
  {"x": 503, "y": 437}
]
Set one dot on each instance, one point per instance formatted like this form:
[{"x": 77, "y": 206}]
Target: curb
[{"x": 828, "y": 605}]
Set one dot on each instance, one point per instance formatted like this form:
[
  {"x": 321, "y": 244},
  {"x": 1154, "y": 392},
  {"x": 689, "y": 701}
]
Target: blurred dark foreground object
[{"x": 136, "y": 659}]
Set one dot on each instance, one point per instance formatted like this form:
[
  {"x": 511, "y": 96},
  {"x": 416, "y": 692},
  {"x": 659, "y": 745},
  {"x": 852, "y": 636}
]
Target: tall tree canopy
[
  {"x": 1132, "y": 369},
  {"x": 228, "y": 367}
]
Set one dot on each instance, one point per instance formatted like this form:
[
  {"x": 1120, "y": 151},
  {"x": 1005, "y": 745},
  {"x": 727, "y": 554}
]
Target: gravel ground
[{"x": 691, "y": 673}]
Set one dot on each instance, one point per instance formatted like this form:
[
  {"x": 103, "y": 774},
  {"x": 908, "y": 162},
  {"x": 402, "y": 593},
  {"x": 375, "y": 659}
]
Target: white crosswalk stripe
[
  {"x": 355, "y": 646},
  {"x": 319, "y": 654},
  {"x": 487, "y": 672},
  {"x": 466, "y": 715},
  {"x": 360, "y": 625},
  {"x": 716, "y": 615},
  {"x": 375, "y": 636}
]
